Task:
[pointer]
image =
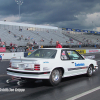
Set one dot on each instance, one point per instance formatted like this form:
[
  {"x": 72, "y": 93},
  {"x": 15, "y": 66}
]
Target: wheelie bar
[{"x": 19, "y": 80}]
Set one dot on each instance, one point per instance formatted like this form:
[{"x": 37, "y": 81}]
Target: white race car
[{"x": 51, "y": 64}]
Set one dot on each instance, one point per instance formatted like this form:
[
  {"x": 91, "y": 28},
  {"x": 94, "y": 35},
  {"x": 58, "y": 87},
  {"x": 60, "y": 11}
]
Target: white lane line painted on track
[{"x": 84, "y": 93}]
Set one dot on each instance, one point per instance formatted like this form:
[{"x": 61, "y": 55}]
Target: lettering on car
[{"x": 79, "y": 64}]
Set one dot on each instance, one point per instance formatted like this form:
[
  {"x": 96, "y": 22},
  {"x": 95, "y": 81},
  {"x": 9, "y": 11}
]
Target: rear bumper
[{"x": 34, "y": 75}]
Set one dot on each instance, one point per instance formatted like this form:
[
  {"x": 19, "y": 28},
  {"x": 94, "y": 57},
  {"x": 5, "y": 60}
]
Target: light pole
[{"x": 19, "y": 2}]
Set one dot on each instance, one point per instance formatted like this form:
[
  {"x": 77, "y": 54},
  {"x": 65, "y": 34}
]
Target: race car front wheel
[
  {"x": 55, "y": 77},
  {"x": 90, "y": 71}
]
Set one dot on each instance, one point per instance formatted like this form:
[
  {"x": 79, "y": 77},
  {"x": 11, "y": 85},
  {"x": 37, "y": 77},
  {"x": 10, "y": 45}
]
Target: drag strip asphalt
[{"x": 78, "y": 87}]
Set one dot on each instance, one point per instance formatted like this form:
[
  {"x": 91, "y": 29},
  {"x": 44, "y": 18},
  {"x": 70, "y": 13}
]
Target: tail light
[{"x": 37, "y": 67}]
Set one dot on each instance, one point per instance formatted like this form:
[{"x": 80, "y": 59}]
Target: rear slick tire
[{"x": 55, "y": 77}]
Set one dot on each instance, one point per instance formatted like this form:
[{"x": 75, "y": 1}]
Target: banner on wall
[
  {"x": 78, "y": 30},
  {"x": 2, "y": 49},
  {"x": 81, "y": 51},
  {"x": 94, "y": 50}
]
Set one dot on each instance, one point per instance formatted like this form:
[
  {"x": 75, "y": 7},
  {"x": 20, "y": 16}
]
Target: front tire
[
  {"x": 90, "y": 71},
  {"x": 55, "y": 77}
]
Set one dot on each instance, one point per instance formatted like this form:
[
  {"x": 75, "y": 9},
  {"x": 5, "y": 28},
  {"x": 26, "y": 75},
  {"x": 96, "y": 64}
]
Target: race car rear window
[{"x": 43, "y": 53}]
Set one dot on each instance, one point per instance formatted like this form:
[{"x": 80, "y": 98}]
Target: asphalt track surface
[{"x": 73, "y": 88}]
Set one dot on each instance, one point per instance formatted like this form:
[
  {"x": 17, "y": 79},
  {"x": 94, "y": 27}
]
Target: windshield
[{"x": 43, "y": 53}]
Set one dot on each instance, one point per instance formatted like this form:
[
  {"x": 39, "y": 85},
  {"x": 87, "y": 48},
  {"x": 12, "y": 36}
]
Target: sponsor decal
[
  {"x": 0, "y": 57},
  {"x": 46, "y": 62},
  {"x": 41, "y": 46},
  {"x": 2, "y": 54},
  {"x": 2, "y": 49},
  {"x": 93, "y": 51},
  {"x": 77, "y": 68},
  {"x": 29, "y": 53},
  {"x": 79, "y": 64},
  {"x": 81, "y": 51}
]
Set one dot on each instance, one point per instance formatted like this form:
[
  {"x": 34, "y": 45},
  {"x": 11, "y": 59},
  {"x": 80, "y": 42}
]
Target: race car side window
[
  {"x": 73, "y": 55},
  {"x": 64, "y": 55}
]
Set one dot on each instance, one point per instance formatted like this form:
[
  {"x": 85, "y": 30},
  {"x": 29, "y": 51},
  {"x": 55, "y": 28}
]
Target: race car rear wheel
[
  {"x": 55, "y": 77},
  {"x": 90, "y": 71}
]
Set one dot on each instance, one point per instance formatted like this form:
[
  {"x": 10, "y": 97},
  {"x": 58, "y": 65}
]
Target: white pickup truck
[{"x": 51, "y": 64}]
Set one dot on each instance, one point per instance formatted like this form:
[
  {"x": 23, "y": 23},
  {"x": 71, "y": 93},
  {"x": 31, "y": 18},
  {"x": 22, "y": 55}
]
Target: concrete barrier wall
[
  {"x": 22, "y": 54},
  {"x": 10, "y": 55}
]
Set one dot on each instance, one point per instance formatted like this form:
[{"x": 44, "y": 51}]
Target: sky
[{"x": 76, "y": 14}]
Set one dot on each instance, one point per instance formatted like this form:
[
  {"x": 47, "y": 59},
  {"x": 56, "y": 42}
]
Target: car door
[
  {"x": 75, "y": 63},
  {"x": 78, "y": 63}
]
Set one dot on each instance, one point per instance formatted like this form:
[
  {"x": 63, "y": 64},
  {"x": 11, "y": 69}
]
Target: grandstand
[
  {"x": 87, "y": 39},
  {"x": 21, "y": 34}
]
